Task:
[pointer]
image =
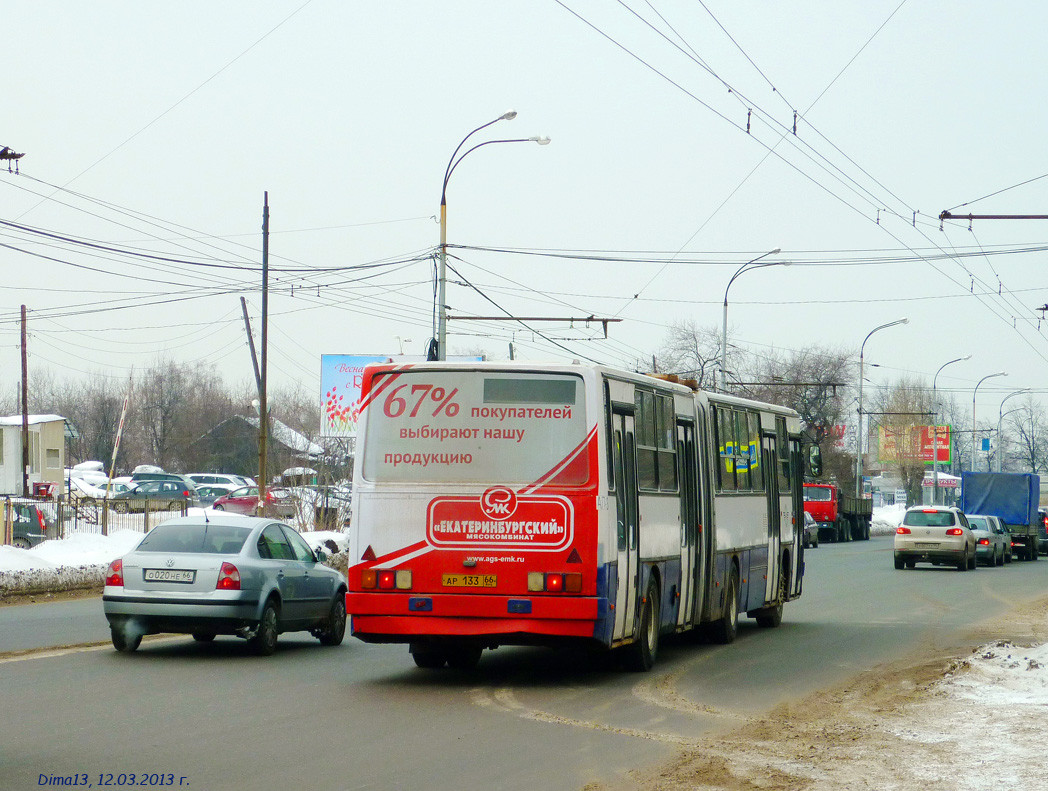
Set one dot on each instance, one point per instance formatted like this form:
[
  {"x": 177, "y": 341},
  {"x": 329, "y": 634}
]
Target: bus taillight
[
  {"x": 385, "y": 579},
  {"x": 555, "y": 582}
]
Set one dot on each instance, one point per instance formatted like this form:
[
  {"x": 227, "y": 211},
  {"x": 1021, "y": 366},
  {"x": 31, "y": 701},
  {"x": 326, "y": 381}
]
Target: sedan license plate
[
  {"x": 926, "y": 544},
  {"x": 169, "y": 575},
  {"x": 468, "y": 580}
]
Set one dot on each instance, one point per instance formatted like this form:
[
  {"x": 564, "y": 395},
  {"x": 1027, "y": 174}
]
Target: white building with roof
[{"x": 46, "y": 452}]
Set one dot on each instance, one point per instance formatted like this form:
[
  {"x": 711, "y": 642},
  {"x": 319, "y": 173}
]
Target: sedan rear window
[
  {"x": 205, "y": 538},
  {"x": 977, "y": 523},
  {"x": 929, "y": 518}
]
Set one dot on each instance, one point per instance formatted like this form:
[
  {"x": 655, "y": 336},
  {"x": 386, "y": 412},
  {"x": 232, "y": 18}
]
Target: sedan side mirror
[{"x": 321, "y": 555}]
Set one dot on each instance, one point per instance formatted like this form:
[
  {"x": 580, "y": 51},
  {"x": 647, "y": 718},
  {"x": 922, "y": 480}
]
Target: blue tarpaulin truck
[{"x": 1012, "y": 498}]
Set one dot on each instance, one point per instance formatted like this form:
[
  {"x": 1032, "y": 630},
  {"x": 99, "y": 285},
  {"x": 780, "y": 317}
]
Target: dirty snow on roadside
[
  {"x": 80, "y": 560},
  {"x": 983, "y": 725}
]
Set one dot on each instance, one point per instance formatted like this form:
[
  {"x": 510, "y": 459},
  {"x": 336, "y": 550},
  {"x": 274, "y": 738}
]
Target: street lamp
[
  {"x": 858, "y": 445},
  {"x": 935, "y": 430},
  {"x": 724, "y": 329},
  {"x": 442, "y": 308},
  {"x": 1000, "y": 418},
  {"x": 974, "y": 392}
]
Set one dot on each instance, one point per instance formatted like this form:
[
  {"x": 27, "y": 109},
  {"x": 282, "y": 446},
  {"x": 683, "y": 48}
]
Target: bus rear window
[{"x": 473, "y": 427}]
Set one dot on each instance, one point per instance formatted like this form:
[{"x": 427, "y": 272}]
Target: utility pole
[
  {"x": 25, "y": 407},
  {"x": 251, "y": 346},
  {"x": 263, "y": 407}
]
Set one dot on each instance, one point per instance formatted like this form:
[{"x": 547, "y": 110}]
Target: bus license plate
[
  {"x": 468, "y": 580},
  {"x": 169, "y": 575}
]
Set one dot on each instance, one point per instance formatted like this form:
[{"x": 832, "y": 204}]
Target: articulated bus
[{"x": 516, "y": 504}]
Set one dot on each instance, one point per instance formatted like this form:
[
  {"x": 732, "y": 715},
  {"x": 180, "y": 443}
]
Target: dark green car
[{"x": 156, "y": 495}]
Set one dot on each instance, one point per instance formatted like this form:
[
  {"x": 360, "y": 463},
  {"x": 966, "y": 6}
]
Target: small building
[
  {"x": 232, "y": 447},
  {"x": 46, "y": 452}
]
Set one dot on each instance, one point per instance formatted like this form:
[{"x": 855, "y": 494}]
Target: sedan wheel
[
  {"x": 335, "y": 628},
  {"x": 21, "y": 543},
  {"x": 203, "y": 637},
  {"x": 121, "y": 507},
  {"x": 219, "y": 507},
  {"x": 123, "y": 643},
  {"x": 265, "y": 640}
]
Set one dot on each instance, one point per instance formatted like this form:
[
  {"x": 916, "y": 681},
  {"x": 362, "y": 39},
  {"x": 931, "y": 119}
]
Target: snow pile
[{"x": 886, "y": 519}]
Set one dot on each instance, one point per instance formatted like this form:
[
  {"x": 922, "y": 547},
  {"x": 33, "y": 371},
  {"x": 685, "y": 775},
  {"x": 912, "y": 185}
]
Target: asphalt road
[{"x": 363, "y": 717}]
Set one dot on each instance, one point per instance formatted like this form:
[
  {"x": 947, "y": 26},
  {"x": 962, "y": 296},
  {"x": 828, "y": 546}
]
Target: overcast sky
[{"x": 157, "y": 129}]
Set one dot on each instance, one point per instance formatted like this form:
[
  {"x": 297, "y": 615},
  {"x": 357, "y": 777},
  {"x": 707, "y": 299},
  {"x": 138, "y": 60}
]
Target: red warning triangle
[
  {"x": 574, "y": 557},
  {"x": 369, "y": 554}
]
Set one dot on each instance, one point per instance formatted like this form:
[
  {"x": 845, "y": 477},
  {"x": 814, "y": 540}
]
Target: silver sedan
[
  {"x": 210, "y": 575},
  {"x": 993, "y": 541}
]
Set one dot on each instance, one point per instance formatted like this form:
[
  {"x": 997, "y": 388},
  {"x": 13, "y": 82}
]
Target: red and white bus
[{"x": 513, "y": 504}]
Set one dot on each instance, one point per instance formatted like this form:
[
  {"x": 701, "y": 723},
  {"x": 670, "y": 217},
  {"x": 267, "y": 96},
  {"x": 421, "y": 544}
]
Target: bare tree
[
  {"x": 905, "y": 408},
  {"x": 691, "y": 352},
  {"x": 814, "y": 382}
]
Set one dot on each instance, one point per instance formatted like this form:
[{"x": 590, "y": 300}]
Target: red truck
[{"x": 840, "y": 517}]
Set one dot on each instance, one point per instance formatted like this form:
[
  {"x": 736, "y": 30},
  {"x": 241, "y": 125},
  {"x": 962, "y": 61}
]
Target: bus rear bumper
[{"x": 401, "y": 617}]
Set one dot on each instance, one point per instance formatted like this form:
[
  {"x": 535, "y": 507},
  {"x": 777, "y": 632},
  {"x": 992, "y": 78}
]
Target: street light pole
[
  {"x": 858, "y": 443},
  {"x": 935, "y": 430},
  {"x": 1000, "y": 418},
  {"x": 974, "y": 392},
  {"x": 442, "y": 276},
  {"x": 724, "y": 328}
]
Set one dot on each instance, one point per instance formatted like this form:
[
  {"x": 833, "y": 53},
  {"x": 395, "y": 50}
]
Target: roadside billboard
[
  {"x": 340, "y": 378},
  {"x": 914, "y": 442}
]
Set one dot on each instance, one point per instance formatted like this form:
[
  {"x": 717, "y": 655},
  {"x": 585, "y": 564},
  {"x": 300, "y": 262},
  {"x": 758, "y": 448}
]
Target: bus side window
[
  {"x": 753, "y": 422},
  {"x": 782, "y": 440},
  {"x": 726, "y": 449}
]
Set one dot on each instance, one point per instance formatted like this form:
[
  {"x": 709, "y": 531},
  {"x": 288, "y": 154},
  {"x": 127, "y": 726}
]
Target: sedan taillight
[
  {"x": 984, "y": 542},
  {"x": 955, "y": 531},
  {"x": 903, "y": 531},
  {"x": 115, "y": 573},
  {"x": 228, "y": 578}
]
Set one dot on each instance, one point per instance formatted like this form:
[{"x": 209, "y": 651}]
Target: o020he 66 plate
[{"x": 169, "y": 575}]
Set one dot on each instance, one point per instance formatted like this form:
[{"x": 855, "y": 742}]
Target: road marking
[
  {"x": 77, "y": 648},
  {"x": 507, "y": 698}
]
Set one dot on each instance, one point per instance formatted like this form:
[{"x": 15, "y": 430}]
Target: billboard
[
  {"x": 340, "y": 380},
  {"x": 914, "y": 442}
]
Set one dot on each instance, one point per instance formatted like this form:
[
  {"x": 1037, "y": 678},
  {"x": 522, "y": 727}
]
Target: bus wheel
[
  {"x": 427, "y": 657},
  {"x": 640, "y": 656},
  {"x": 463, "y": 657},
  {"x": 770, "y": 617},
  {"x": 723, "y": 630}
]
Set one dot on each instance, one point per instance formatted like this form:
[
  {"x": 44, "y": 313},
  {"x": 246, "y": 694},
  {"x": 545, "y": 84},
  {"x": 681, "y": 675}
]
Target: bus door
[
  {"x": 797, "y": 504},
  {"x": 690, "y": 557},
  {"x": 771, "y": 466},
  {"x": 624, "y": 459},
  {"x": 704, "y": 571}
]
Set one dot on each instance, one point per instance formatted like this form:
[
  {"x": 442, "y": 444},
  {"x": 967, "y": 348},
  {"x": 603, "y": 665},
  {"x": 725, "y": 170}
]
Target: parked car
[
  {"x": 993, "y": 542},
  {"x": 207, "y": 493},
  {"x": 811, "y": 531},
  {"x": 156, "y": 495},
  {"x": 279, "y": 502},
  {"x": 29, "y": 525},
  {"x": 88, "y": 494},
  {"x": 934, "y": 534},
  {"x": 138, "y": 477},
  {"x": 232, "y": 481},
  {"x": 205, "y": 576}
]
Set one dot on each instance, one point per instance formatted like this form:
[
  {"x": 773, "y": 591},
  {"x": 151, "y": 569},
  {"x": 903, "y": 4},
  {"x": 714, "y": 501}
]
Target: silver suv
[{"x": 934, "y": 534}]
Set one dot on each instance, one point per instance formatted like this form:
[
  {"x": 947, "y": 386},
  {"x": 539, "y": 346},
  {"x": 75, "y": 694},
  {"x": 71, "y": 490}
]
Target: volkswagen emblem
[{"x": 170, "y": 562}]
